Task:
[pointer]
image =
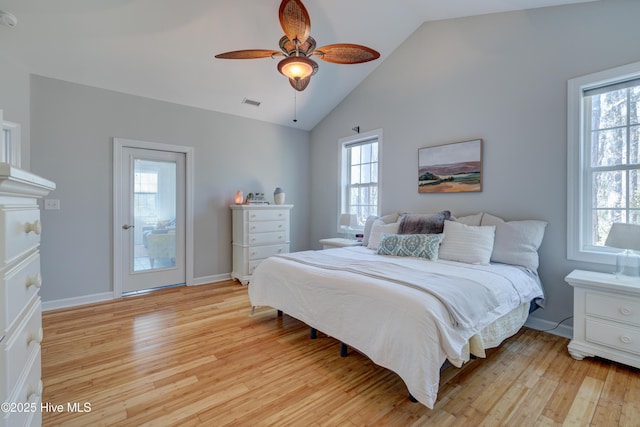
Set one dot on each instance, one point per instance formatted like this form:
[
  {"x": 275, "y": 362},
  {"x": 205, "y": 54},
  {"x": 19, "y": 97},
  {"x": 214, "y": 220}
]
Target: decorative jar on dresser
[
  {"x": 20, "y": 309},
  {"x": 259, "y": 231},
  {"x": 606, "y": 317}
]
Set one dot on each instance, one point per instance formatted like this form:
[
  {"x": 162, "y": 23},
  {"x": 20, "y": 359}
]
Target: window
[
  {"x": 360, "y": 175},
  {"x": 604, "y": 159},
  {"x": 145, "y": 193},
  {"x": 10, "y": 143}
]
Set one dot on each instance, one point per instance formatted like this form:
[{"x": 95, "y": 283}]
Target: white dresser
[
  {"x": 606, "y": 317},
  {"x": 259, "y": 231},
  {"x": 20, "y": 281}
]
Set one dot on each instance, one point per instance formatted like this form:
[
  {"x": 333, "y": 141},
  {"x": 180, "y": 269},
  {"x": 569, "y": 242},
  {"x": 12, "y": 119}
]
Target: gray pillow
[
  {"x": 423, "y": 223},
  {"x": 516, "y": 242}
]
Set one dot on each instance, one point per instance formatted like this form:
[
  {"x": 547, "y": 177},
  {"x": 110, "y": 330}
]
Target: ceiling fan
[{"x": 297, "y": 46}]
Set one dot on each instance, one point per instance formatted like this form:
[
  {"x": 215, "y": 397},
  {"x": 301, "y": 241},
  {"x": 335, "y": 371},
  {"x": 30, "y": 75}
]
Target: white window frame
[
  {"x": 344, "y": 142},
  {"x": 577, "y": 202},
  {"x": 11, "y": 151}
]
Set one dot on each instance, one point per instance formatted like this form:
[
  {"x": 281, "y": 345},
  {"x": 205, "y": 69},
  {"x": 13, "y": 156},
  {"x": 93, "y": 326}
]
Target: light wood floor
[{"x": 194, "y": 356}]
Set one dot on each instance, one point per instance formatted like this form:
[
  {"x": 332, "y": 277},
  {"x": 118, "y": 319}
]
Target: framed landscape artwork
[{"x": 450, "y": 168}]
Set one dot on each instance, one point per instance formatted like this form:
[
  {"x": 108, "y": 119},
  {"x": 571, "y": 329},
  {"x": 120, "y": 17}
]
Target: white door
[{"x": 152, "y": 216}]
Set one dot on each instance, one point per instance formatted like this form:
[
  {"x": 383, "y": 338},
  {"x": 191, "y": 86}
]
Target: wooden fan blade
[
  {"x": 248, "y": 54},
  {"x": 346, "y": 53},
  {"x": 294, "y": 20},
  {"x": 300, "y": 84}
]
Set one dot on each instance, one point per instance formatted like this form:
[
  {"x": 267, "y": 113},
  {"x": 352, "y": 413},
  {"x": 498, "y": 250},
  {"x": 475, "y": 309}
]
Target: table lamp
[
  {"x": 346, "y": 222},
  {"x": 627, "y": 237}
]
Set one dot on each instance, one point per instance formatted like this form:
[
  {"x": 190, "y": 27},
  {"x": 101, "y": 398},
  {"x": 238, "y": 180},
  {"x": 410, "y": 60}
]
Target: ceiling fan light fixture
[{"x": 297, "y": 67}]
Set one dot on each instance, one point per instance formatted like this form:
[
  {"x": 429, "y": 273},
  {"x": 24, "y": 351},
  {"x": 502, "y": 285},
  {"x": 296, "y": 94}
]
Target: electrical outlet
[{"x": 52, "y": 204}]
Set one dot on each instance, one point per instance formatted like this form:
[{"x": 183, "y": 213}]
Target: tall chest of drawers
[
  {"x": 20, "y": 306},
  {"x": 606, "y": 317},
  {"x": 259, "y": 231}
]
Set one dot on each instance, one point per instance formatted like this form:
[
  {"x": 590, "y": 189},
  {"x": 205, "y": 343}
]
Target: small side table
[
  {"x": 607, "y": 317},
  {"x": 338, "y": 242}
]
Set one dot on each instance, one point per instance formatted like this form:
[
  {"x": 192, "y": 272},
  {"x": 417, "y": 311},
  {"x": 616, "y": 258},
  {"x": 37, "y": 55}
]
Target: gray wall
[
  {"x": 499, "y": 77},
  {"x": 72, "y": 128}
]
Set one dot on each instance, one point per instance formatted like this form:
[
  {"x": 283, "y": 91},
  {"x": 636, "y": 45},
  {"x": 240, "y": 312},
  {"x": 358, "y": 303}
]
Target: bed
[{"x": 407, "y": 313}]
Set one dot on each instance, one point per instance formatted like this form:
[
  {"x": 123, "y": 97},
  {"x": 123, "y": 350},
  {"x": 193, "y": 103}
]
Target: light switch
[{"x": 52, "y": 204}]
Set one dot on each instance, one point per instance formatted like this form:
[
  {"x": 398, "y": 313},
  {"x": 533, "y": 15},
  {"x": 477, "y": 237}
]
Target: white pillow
[
  {"x": 368, "y": 224},
  {"x": 516, "y": 242},
  {"x": 378, "y": 229},
  {"x": 474, "y": 220},
  {"x": 466, "y": 243},
  {"x": 387, "y": 219}
]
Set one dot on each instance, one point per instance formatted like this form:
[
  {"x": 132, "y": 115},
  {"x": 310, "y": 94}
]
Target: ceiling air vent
[{"x": 251, "y": 102}]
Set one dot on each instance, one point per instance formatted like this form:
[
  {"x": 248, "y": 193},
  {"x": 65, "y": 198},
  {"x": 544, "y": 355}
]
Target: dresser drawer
[
  {"x": 28, "y": 395},
  {"x": 266, "y": 226},
  {"x": 624, "y": 309},
  {"x": 266, "y": 238},
  {"x": 21, "y": 229},
  {"x": 15, "y": 352},
  {"x": 253, "y": 265},
  {"x": 613, "y": 335},
  {"x": 17, "y": 287},
  {"x": 269, "y": 215},
  {"x": 260, "y": 252}
]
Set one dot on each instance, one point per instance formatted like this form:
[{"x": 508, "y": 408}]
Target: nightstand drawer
[
  {"x": 613, "y": 335},
  {"x": 622, "y": 309}
]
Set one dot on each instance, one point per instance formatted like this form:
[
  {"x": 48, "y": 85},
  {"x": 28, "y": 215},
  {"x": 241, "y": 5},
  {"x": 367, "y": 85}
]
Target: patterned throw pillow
[{"x": 416, "y": 245}]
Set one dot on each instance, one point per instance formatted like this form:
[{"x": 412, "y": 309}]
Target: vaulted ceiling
[{"x": 164, "y": 49}]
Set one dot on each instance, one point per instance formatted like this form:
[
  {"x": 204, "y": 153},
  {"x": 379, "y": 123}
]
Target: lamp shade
[
  {"x": 348, "y": 220},
  {"x": 297, "y": 67},
  {"x": 624, "y": 236}
]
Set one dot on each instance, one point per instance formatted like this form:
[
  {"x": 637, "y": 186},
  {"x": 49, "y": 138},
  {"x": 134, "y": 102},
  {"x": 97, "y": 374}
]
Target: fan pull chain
[{"x": 295, "y": 105}]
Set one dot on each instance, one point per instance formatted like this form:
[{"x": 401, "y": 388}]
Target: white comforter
[{"x": 397, "y": 325}]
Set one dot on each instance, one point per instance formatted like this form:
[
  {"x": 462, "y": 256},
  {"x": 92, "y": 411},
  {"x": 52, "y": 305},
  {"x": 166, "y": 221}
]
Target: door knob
[{"x": 127, "y": 226}]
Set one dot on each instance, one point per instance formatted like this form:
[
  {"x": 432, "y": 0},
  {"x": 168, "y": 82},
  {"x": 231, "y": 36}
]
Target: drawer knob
[
  {"x": 625, "y": 339},
  {"x": 34, "y": 281},
  {"x": 35, "y": 390},
  {"x": 34, "y": 227},
  {"x": 626, "y": 311},
  {"x": 36, "y": 336}
]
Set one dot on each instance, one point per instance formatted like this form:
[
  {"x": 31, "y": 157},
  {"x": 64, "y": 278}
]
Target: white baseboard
[
  {"x": 211, "y": 279},
  {"x": 75, "y": 301},
  {"x": 107, "y": 296},
  {"x": 564, "y": 331}
]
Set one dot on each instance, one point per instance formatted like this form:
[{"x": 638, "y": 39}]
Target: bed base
[
  {"x": 344, "y": 352},
  {"x": 344, "y": 349}
]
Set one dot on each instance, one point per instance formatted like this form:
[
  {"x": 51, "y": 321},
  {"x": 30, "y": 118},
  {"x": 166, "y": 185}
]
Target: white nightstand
[
  {"x": 606, "y": 317},
  {"x": 338, "y": 242}
]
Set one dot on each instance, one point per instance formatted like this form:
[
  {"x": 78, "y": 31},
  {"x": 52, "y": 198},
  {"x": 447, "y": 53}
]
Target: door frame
[{"x": 118, "y": 241}]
